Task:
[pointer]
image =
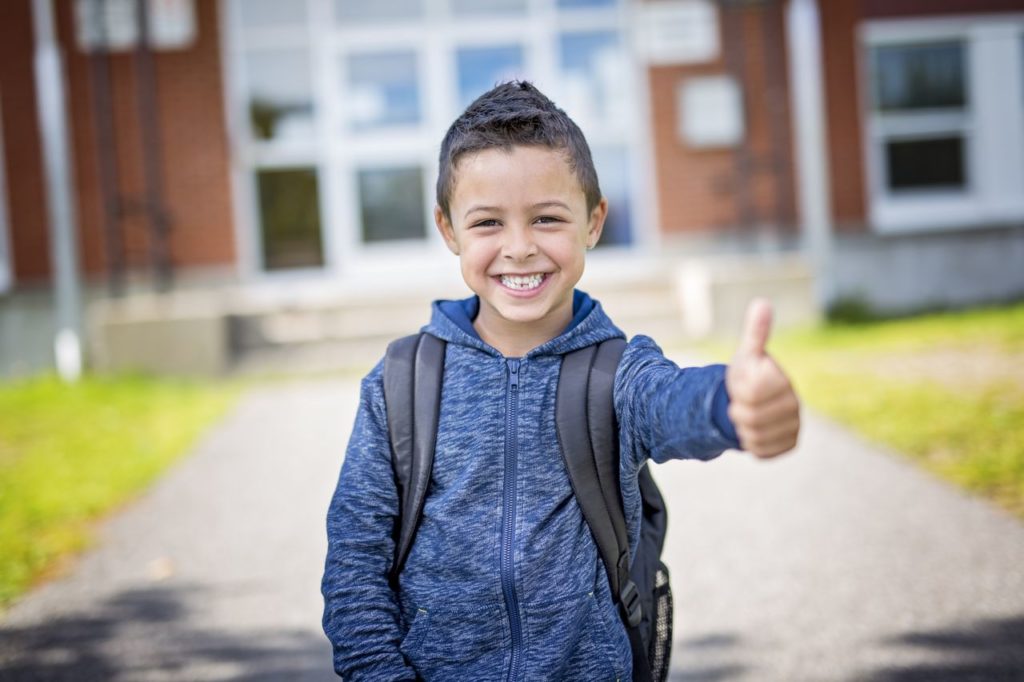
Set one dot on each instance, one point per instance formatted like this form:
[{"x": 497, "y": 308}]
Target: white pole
[
  {"x": 59, "y": 196},
  {"x": 803, "y": 34},
  {"x": 6, "y": 269}
]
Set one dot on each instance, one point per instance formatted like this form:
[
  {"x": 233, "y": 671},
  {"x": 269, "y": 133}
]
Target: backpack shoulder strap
[
  {"x": 413, "y": 375},
  {"x": 588, "y": 436}
]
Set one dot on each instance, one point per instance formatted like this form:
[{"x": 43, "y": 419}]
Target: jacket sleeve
[
  {"x": 361, "y": 612},
  {"x": 665, "y": 412}
]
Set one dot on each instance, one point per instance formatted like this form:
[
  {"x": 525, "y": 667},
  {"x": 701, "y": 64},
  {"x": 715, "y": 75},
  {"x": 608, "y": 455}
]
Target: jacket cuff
[{"x": 720, "y": 414}]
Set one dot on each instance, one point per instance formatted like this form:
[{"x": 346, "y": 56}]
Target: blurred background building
[{"x": 256, "y": 159}]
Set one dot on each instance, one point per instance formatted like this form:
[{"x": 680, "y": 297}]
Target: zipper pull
[{"x": 513, "y": 373}]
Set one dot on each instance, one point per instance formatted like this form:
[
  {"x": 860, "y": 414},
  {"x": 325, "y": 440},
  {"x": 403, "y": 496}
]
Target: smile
[{"x": 523, "y": 282}]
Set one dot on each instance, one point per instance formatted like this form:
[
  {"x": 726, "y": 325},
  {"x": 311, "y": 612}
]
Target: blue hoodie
[{"x": 503, "y": 581}]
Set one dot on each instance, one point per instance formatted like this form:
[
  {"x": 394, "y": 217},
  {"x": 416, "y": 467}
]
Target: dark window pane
[
  {"x": 383, "y": 89},
  {"x": 919, "y": 76},
  {"x": 290, "y": 218},
  {"x": 391, "y": 204},
  {"x": 926, "y": 164}
]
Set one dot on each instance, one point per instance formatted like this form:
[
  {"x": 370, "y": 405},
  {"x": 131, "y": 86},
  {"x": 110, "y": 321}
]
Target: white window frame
[
  {"x": 6, "y": 269},
  {"x": 338, "y": 152},
  {"x": 992, "y": 126}
]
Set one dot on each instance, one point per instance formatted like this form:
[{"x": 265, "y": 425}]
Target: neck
[{"x": 516, "y": 339}]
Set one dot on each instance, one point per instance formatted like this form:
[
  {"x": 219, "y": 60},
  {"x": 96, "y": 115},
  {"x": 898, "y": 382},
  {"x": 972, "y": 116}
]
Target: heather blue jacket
[{"x": 503, "y": 581}]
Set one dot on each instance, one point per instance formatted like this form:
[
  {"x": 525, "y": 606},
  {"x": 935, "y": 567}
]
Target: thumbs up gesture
[{"x": 763, "y": 405}]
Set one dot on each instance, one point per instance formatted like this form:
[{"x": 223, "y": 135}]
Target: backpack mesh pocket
[{"x": 660, "y": 644}]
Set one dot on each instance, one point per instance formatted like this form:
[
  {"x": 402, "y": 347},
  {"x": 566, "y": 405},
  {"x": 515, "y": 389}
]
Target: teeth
[{"x": 522, "y": 283}]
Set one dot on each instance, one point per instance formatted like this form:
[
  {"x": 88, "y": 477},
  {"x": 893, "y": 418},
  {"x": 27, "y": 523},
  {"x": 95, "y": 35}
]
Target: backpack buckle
[{"x": 629, "y": 600}]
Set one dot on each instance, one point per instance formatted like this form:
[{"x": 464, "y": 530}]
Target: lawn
[
  {"x": 945, "y": 389},
  {"x": 70, "y": 454}
]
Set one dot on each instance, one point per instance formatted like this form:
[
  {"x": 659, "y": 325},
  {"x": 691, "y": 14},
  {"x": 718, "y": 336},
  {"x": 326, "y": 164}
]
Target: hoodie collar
[{"x": 452, "y": 321}]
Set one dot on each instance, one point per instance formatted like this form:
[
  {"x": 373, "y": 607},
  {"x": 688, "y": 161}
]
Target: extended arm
[
  {"x": 668, "y": 412},
  {"x": 361, "y": 612}
]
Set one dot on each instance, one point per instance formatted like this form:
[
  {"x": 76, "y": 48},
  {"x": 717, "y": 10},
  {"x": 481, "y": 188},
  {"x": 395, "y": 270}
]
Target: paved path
[{"x": 837, "y": 563}]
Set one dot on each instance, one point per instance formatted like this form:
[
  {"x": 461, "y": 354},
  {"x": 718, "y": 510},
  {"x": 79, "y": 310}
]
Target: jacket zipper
[{"x": 508, "y": 534}]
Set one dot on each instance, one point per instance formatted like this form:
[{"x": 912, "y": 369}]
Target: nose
[{"x": 518, "y": 244}]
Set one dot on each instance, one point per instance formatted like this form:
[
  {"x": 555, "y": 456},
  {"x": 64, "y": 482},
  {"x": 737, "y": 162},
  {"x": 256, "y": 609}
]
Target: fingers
[
  {"x": 773, "y": 440},
  {"x": 757, "y": 382},
  {"x": 756, "y": 328},
  {"x": 777, "y": 409},
  {"x": 768, "y": 428}
]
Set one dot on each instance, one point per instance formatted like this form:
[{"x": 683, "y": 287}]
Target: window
[
  {"x": 341, "y": 105},
  {"x": 567, "y": 4},
  {"x": 481, "y": 68},
  {"x": 487, "y": 7},
  {"x": 383, "y": 89},
  {"x": 928, "y": 76},
  {"x": 363, "y": 12},
  {"x": 612, "y": 165},
  {"x": 391, "y": 204},
  {"x": 944, "y": 122},
  {"x": 921, "y": 114},
  {"x": 257, "y": 14},
  {"x": 289, "y": 204},
  {"x": 280, "y": 94},
  {"x": 593, "y": 68}
]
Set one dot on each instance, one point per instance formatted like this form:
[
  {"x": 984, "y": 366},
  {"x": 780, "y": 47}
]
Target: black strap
[
  {"x": 413, "y": 372},
  {"x": 591, "y": 457}
]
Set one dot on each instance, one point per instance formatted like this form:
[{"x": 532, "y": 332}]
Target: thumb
[{"x": 757, "y": 328}]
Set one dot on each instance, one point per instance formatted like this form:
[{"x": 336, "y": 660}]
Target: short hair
[{"x": 515, "y": 113}]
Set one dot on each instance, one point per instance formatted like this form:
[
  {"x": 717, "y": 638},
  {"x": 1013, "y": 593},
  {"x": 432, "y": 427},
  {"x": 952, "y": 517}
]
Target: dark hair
[{"x": 513, "y": 114}]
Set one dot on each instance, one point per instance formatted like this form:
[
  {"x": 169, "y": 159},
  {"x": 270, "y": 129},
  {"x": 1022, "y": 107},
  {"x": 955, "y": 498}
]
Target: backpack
[{"x": 588, "y": 437}]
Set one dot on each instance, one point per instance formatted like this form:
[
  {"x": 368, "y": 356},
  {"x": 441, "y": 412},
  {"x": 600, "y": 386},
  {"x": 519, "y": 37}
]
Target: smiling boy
[{"x": 504, "y": 581}]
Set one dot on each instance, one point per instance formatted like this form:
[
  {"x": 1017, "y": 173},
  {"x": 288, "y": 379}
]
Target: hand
[{"x": 763, "y": 405}]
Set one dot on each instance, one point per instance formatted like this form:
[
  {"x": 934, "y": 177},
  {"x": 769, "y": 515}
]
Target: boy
[{"x": 504, "y": 581}]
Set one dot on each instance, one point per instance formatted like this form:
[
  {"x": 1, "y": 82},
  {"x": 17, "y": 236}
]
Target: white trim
[
  {"x": 6, "y": 269},
  {"x": 813, "y": 189},
  {"x": 245, "y": 258},
  {"x": 991, "y": 124}
]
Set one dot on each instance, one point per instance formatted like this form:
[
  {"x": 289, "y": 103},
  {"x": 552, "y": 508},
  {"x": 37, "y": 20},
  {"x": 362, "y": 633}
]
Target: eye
[
  {"x": 489, "y": 222},
  {"x": 549, "y": 220}
]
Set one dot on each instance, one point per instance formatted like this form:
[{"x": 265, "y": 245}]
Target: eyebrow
[
  {"x": 549, "y": 204},
  {"x": 474, "y": 209},
  {"x": 542, "y": 204}
]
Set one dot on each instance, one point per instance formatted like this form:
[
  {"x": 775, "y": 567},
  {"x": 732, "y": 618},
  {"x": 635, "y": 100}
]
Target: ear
[
  {"x": 444, "y": 226},
  {"x": 596, "y": 222}
]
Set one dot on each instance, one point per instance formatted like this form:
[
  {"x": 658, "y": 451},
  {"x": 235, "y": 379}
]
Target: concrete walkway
[{"x": 839, "y": 562}]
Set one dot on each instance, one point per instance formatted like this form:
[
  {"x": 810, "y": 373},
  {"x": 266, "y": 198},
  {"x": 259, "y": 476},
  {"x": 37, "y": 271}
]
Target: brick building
[{"x": 274, "y": 142}]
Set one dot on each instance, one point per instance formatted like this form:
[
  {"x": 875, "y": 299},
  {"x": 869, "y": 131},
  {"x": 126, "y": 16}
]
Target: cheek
[{"x": 476, "y": 256}]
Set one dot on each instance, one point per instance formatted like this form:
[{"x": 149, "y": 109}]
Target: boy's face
[{"x": 520, "y": 226}]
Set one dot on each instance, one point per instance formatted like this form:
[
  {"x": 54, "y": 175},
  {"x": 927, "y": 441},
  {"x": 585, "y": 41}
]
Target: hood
[{"x": 452, "y": 321}]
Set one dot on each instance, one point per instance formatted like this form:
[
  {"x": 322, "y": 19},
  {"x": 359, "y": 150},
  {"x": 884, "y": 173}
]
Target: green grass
[
  {"x": 946, "y": 389},
  {"x": 69, "y": 454}
]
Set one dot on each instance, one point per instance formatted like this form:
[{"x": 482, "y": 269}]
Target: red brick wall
[
  {"x": 194, "y": 147},
  {"x": 192, "y": 133},
  {"x": 23, "y": 168},
  {"x": 699, "y": 190},
  {"x": 839, "y": 20}
]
